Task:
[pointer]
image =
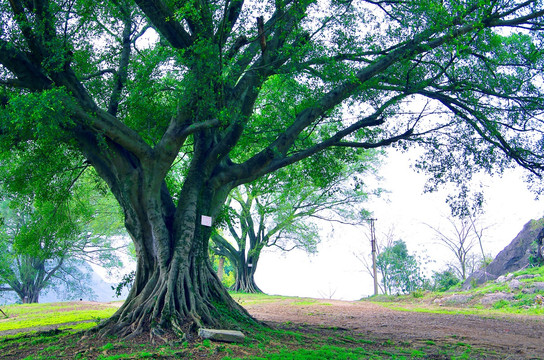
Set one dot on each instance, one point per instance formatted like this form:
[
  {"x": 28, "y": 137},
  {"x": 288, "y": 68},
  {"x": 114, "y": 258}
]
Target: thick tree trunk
[
  {"x": 182, "y": 296},
  {"x": 245, "y": 281},
  {"x": 179, "y": 295},
  {"x": 30, "y": 297},
  {"x": 175, "y": 288}
]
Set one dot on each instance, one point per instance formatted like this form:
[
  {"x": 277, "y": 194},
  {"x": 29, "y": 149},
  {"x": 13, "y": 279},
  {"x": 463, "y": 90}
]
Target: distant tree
[
  {"x": 46, "y": 245},
  {"x": 445, "y": 279},
  {"x": 462, "y": 235},
  {"x": 399, "y": 271},
  {"x": 281, "y": 211}
]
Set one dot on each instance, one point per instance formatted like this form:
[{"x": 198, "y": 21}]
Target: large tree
[{"x": 462, "y": 77}]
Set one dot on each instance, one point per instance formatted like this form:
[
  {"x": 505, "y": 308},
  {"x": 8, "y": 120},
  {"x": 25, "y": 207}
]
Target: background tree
[
  {"x": 281, "y": 211},
  {"x": 399, "y": 271},
  {"x": 462, "y": 236},
  {"x": 48, "y": 245},
  {"x": 463, "y": 78},
  {"x": 445, "y": 279}
]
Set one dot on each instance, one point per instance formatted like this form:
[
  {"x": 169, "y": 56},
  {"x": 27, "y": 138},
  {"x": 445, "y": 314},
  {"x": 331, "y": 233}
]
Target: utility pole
[{"x": 373, "y": 244}]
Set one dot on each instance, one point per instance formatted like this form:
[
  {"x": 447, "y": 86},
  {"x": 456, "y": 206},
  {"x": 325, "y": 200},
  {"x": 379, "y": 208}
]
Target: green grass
[
  {"x": 252, "y": 299},
  {"x": 34, "y": 315}
]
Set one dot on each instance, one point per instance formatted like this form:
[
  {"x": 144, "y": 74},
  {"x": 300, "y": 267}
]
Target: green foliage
[
  {"x": 445, "y": 280},
  {"x": 46, "y": 242},
  {"x": 280, "y": 210},
  {"x": 501, "y": 304},
  {"x": 400, "y": 271},
  {"x": 126, "y": 282},
  {"x": 176, "y": 103}
]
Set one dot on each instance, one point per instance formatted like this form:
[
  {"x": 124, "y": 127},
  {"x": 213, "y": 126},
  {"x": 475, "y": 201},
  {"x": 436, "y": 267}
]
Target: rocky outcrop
[{"x": 514, "y": 257}]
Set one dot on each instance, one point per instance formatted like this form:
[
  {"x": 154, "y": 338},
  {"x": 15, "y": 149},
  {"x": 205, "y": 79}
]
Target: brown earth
[{"x": 520, "y": 337}]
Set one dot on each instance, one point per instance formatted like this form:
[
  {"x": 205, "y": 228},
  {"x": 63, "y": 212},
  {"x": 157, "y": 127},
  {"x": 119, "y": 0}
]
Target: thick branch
[
  {"x": 25, "y": 70},
  {"x": 164, "y": 20}
]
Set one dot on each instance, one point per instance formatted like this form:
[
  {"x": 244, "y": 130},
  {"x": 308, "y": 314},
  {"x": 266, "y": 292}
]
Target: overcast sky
[{"x": 335, "y": 270}]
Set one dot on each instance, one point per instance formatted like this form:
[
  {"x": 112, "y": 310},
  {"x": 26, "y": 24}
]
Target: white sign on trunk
[{"x": 206, "y": 220}]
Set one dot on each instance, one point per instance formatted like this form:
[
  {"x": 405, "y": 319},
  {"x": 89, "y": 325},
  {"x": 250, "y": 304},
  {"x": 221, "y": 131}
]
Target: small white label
[
  {"x": 206, "y": 220},
  {"x": 249, "y": 265}
]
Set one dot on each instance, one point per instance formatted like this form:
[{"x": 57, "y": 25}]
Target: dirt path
[{"x": 520, "y": 337}]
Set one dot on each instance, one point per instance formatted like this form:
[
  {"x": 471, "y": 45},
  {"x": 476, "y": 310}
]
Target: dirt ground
[{"x": 521, "y": 337}]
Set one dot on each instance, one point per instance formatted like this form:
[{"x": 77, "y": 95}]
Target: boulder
[
  {"x": 538, "y": 286},
  {"x": 514, "y": 257},
  {"x": 221, "y": 335}
]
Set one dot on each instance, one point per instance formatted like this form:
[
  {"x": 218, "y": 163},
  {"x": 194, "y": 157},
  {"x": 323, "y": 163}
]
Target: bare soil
[{"x": 519, "y": 337}]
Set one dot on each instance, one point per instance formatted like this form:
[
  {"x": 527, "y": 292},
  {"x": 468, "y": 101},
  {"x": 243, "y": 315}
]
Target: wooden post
[
  {"x": 373, "y": 244},
  {"x": 3, "y": 313}
]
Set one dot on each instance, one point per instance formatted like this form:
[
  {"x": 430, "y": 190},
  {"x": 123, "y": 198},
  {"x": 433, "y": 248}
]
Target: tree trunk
[
  {"x": 245, "y": 281},
  {"x": 180, "y": 296},
  {"x": 175, "y": 287},
  {"x": 30, "y": 296}
]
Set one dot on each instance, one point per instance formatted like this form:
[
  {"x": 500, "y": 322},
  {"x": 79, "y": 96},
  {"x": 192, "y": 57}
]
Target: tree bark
[
  {"x": 180, "y": 293},
  {"x": 175, "y": 287},
  {"x": 245, "y": 272}
]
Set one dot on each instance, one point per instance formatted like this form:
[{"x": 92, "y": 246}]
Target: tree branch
[{"x": 164, "y": 20}]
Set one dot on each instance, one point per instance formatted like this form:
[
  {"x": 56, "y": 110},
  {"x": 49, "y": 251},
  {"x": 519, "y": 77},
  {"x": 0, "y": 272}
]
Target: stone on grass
[
  {"x": 515, "y": 284},
  {"x": 455, "y": 299},
  {"x": 222, "y": 335},
  {"x": 490, "y": 299},
  {"x": 538, "y": 286}
]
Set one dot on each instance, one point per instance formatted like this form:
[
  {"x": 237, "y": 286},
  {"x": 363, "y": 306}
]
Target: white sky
[{"x": 336, "y": 271}]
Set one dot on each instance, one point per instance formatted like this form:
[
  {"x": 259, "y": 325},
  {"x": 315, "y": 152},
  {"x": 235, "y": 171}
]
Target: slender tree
[
  {"x": 460, "y": 238},
  {"x": 463, "y": 78}
]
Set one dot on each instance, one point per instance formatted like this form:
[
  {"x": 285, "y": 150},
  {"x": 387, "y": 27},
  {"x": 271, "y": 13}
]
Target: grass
[
  {"x": 289, "y": 341},
  {"x": 34, "y": 315}
]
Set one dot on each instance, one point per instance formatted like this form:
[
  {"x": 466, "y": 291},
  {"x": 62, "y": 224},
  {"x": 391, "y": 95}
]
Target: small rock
[
  {"x": 538, "y": 286},
  {"x": 490, "y": 299},
  {"x": 501, "y": 279},
  {"x": 455, "y": 299},
  {"x": 531, "y": 290},
  {"x": 222, "y": 335},
  {"x": 515, "y": 284}
]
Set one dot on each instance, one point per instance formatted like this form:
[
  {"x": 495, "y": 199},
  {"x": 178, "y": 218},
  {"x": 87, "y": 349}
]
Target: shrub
[{"x": 445, "y": 280}]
